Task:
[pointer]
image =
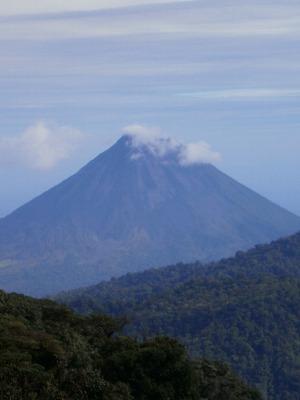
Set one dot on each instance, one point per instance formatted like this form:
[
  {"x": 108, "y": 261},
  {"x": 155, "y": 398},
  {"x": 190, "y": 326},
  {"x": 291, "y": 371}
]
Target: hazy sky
[{"x": 74, "y": 73}]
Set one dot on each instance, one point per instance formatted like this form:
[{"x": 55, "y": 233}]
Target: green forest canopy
[
  {"x": 48, "y": 352},
  {"x": 243, "y": 310}
]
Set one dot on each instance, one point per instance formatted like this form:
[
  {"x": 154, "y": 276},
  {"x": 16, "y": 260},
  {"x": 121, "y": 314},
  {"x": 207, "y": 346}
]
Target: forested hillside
[
  {"x": 47, "y": 352},
  {"x": 280, "y": 258},
  {"x": 243, "y": 310}
]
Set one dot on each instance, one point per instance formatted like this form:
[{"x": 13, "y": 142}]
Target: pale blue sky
[{"x": 73, "y": 75}]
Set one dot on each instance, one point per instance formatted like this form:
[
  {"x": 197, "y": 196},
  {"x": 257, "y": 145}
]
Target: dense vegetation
[
  {"x": 49, "y": 353},
  {"x": 243, "y": 310}
]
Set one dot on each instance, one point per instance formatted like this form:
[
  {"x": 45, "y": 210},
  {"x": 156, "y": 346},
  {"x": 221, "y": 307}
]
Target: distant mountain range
[
  {"x": 131, "y": 208},
  {"x": 243, "y": 310}
]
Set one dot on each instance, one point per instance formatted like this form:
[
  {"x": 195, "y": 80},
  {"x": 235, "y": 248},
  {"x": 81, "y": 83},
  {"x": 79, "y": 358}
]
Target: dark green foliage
[
  {"x": 244, "y": 311},
  {"x": 49, "y": 353}
]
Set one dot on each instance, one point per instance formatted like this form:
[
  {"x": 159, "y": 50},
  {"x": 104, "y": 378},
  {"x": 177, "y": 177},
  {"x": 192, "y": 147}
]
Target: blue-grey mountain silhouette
[{"x": 127, "y": 210}]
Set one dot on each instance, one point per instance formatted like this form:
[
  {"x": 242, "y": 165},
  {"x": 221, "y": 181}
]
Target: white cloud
[
  {"x": 143, "y": 134},
  {"x": 151, "y": 138},
  {"x": 41, "y": 146},
  {"x": 200, "y": 152},
  {"x": 154, "y": 141}
]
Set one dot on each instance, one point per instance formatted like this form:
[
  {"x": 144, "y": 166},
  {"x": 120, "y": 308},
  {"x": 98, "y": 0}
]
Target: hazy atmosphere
[
  {"x": 74, "y": 76},
  {"x": 150, "y": 210}
]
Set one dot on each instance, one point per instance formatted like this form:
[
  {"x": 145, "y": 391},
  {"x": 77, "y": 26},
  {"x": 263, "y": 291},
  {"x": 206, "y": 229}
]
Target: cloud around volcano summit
[{"x": 160, "y": 145}]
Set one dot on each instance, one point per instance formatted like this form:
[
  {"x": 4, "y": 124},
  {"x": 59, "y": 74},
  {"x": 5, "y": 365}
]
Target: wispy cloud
[
  {"x": 243, "y": 94},
  {"x": 17, "y": 7},
  {"x": 41, "y": 146},
  {"x": 193, "y": 18}
]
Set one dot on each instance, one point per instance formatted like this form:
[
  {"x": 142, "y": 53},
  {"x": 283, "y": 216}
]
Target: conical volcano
[{"x": 135, "y": 206}]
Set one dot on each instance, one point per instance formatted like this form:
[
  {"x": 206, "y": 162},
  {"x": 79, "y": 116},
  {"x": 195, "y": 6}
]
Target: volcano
[{"x": 131, "y": 208}]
